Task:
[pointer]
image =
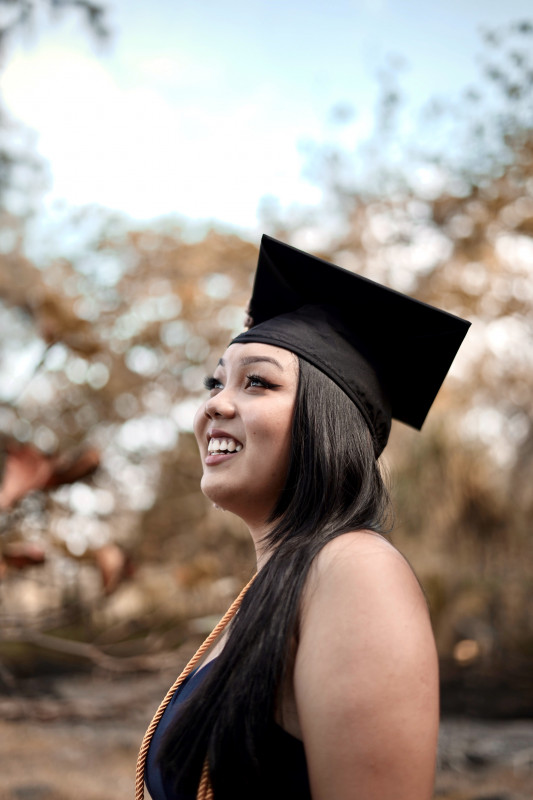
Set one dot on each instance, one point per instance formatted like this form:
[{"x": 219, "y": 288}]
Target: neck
[
  {"x": 258, "y": 533},
  {"x": 258, "y": 530}
]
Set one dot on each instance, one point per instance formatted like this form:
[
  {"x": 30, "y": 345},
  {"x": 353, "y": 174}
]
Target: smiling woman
[{"x": 323, "y": 682}]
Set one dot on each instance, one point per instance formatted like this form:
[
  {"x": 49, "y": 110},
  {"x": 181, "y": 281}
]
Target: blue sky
[{"x": 199, "y": 108}]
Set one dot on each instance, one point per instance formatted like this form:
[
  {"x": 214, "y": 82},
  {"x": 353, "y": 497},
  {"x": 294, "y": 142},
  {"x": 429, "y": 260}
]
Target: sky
[{"x": 202, "y": 109}]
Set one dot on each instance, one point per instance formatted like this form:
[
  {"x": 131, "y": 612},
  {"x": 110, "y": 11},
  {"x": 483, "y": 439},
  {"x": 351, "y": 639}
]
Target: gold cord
[{"x": 205, "y": 791}]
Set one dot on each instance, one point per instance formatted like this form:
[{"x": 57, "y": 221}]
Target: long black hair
[{"x": 334, "y": 485}]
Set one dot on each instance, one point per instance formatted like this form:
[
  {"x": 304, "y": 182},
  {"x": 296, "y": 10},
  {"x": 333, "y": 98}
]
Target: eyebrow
[{"x": 254, "y": 360}]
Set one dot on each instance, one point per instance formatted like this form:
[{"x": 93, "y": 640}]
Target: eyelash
[
  {"x": 211, "y": 383},
  {"x": 263, "y": 381}
]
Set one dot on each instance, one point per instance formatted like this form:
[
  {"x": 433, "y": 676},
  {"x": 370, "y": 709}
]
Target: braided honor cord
[{"x": 205, "y": 792}]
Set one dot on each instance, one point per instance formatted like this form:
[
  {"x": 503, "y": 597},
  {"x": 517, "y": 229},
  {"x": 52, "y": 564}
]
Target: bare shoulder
[
  {"x": 362, "y": 589},
  {"x": 366, "y": 677},
  {"x": 357, "y": 550},
  {"x": 363, "y": 565}
]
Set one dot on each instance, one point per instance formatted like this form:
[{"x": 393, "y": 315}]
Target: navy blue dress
[{"x": 285, "y": 759}]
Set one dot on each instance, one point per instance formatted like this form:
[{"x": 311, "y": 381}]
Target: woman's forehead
[{"x": 254, "y": 352}]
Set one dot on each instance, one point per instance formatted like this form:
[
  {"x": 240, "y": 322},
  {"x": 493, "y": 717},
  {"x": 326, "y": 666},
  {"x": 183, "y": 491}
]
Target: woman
[{"x": 324, "y": 685}]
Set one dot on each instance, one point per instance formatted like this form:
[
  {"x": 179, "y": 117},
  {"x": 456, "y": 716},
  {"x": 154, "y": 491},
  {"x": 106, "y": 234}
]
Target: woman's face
[{"x": 244, "y": 429}]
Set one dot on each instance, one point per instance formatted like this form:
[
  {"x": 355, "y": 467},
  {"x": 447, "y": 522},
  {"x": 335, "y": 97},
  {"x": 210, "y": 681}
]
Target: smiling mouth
[{"x": 223, "y": 447}]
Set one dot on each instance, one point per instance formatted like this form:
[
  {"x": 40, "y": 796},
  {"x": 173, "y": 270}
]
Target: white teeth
[{"x": 223, "y": 446}]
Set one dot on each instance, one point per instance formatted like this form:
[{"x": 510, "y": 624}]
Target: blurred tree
[
  {"x": 104, "y": 351},
  {"x": 119, "y": 333},
  {"x": 449, "y": 219}
]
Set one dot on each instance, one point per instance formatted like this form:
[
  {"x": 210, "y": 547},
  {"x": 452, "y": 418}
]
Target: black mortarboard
[{"x": 387, "y": 352}]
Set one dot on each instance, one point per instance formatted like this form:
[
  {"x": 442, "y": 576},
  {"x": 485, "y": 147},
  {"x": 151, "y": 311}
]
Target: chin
[
  {"x": 219, "y": 495},
  {"x": 250, "y": 509}
]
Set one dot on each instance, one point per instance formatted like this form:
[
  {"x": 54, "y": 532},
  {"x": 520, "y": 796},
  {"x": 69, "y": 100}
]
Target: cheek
[{"x": 274, "y": 438}]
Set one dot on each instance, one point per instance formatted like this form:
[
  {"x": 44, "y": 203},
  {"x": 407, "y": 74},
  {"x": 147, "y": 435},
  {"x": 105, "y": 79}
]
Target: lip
[{"x": 213, "y": 460}]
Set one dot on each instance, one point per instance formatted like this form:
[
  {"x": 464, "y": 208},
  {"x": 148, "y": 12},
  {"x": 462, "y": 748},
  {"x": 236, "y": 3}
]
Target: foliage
[
  {"x": 105, "y": 347},
  {"x": 449, "y": 219},
  {"x": 119, "y": 337}
]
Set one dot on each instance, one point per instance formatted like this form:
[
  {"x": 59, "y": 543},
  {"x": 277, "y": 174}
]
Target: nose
[{"x": 220, "y": 405}]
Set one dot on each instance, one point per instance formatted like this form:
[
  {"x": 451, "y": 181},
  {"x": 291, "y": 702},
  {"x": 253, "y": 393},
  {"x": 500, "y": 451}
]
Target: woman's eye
[
  {"x": 211, "y": 383},
  {"x": 256, "y": 380}
]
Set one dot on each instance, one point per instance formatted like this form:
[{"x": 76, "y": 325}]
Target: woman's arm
[{"x": 366, "y": 675}]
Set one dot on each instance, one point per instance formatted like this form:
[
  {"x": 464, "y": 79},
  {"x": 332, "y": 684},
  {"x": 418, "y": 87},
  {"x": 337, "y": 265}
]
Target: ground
[{"x": 80, "y": 739}]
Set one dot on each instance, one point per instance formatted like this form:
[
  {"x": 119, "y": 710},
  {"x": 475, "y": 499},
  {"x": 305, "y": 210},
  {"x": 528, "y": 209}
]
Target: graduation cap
[{"x": 388, "y": 352}]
